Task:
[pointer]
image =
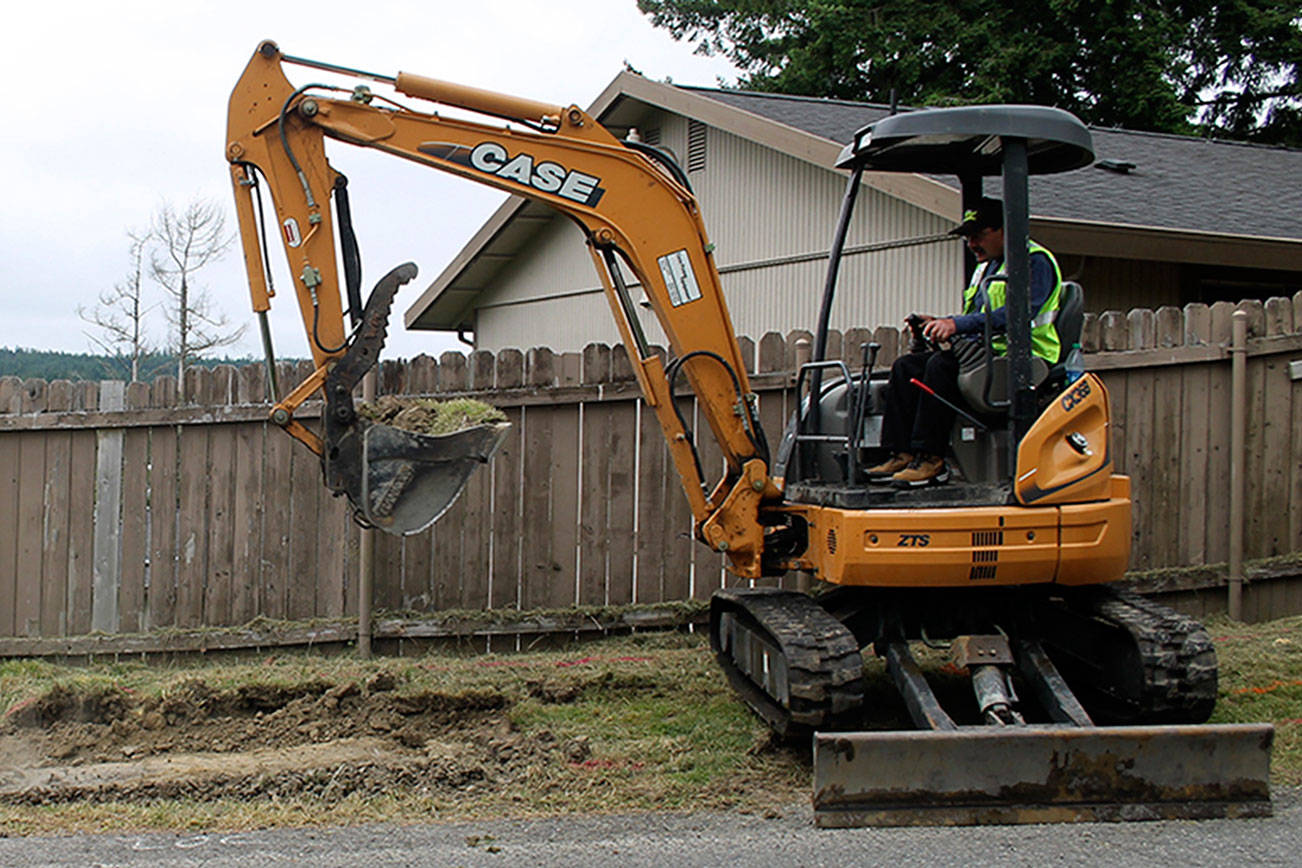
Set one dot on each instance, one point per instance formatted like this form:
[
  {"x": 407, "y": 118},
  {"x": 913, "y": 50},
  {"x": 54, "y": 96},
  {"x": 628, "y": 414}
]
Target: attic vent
[
  {"x": 1121, "y": 167},
  {"x": 695, "y": 146},
  {"x": 652, "y": 136}
]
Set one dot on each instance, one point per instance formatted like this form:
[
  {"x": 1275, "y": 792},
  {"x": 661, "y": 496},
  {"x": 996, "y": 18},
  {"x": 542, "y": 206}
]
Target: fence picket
[
  {"x": 81, "y": 532},
  {"x": 1276, "y": 442},
  {"x": 594, "y": 531},
  {"x": 247, "y": 519},
  {"x": 475, "y": 541},
  {"x": 9, "y": 577},
  {"x": 161, "y": 607},
  {"x": 108, "y": 504},
  {"x": 57, "y": 508},
  {"x": 134, "y": 536},
  {"x": 535, "y": 531},
  {"x": 504, "y": 592},
  {"x": 1192, "y": 473},
  {"x": 31, "y": 490},
  {"x": 656, "y": 568},
  {"x": 302, "y": 500},
  {"x": 621, "y": 518}
]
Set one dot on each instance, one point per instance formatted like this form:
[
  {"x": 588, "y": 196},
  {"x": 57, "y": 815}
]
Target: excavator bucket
[
  {"x": 396, "y": 480},
  {"x": 1041, "y": 774},
  {"x": 408, "y": 480}
]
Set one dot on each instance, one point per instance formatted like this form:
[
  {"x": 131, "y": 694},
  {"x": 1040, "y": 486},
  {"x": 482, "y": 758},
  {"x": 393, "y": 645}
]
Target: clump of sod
[{"x": 428, "y": 416}]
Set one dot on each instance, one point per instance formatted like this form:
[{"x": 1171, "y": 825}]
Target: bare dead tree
[
  {"x": 184, "y": 243},
  {"x": 118, "y": 317}
]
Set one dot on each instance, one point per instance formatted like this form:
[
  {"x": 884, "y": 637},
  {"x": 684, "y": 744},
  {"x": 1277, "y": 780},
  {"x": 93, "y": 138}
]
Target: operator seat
[{"x": 982, "y": 456}]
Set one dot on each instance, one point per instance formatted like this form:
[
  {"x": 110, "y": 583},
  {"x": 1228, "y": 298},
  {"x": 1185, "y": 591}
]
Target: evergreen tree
[{"x": 1225, "y": 68}]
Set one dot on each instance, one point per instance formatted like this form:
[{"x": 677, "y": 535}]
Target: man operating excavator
[{"x": 916, "y": 425}]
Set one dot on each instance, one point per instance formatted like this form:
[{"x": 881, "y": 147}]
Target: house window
[{"x": 695, "y": 146}]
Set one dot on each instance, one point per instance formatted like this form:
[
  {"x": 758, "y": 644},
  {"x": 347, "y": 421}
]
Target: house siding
[{"x": 758, "y": 205}]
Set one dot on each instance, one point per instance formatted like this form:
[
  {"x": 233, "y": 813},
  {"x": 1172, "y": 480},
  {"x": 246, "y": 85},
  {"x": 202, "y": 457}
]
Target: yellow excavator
[{"x": 1086, "y": 702}]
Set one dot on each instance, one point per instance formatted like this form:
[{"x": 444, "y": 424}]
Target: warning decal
[
  {"x": 679, "y": 277},
  {"x": 293, "y": 237}
]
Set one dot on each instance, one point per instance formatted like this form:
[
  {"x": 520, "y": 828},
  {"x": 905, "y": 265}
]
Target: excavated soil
[
  {"x": 318, "y": 739},
  {"x": 429, "y": 416}
]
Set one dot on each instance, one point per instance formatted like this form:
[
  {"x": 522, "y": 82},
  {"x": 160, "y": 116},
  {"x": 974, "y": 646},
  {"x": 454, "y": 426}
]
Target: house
[{"x": 1157, "y": 220}]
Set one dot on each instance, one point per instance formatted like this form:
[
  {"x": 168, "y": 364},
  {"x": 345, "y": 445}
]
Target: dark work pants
[{"x": 915, "y": 421}]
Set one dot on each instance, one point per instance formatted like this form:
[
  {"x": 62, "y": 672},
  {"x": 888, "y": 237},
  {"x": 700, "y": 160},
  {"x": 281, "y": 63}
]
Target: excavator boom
[{"x": 632, "y": 202}]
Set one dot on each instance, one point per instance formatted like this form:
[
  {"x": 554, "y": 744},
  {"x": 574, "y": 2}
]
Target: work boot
[
  {"x": 923, "y": 470},
  {"x": 890, "y": 466}
]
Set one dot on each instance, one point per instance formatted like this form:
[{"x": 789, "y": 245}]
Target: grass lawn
[{"x": 641, "y": 723}]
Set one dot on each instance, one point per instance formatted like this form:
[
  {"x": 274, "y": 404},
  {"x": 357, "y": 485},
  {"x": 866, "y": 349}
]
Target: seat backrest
[
  {"x": 1071, "y": 314},
  {"x": 972, "y": 383}
]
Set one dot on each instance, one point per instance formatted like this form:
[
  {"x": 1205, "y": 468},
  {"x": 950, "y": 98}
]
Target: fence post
[
  {"x": 1238, "y": 425},
  {"x": 366, "y": 556}
]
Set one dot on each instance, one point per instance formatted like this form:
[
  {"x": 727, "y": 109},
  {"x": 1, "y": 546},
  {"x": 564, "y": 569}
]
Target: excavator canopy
[{"x": 968, "y": 140}]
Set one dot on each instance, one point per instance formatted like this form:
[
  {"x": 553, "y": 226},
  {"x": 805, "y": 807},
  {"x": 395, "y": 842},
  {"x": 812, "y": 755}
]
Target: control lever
[
  {"x": 863, "y": 393},
  {"x": 950, "y": 404},
  {"x": 918, "y": 342}
]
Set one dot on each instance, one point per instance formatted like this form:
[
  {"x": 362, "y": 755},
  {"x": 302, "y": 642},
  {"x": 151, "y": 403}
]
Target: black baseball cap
[{"x": 988, "y": 214}]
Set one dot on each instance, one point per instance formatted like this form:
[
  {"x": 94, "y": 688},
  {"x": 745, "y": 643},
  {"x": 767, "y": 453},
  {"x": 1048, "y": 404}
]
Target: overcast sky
[{"x": 113, "y": 108}]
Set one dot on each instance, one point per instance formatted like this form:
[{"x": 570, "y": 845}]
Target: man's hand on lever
[{"x": 939, "y": 329}]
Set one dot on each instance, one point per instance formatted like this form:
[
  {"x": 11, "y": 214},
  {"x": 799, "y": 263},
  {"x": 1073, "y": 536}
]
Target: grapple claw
[{"x": 397, "y": 481}]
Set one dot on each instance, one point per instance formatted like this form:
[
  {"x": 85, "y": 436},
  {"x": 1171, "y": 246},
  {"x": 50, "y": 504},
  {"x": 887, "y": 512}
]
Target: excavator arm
[{"x": 633, "y": 204}]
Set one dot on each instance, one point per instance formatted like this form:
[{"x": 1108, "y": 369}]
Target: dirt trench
[{"x": 315, "y": 739}]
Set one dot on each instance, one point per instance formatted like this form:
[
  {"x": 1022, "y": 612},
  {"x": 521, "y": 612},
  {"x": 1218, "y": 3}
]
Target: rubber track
[
  {"x": 1179, "y": 660},
  {"x": 824, "y": 665}
]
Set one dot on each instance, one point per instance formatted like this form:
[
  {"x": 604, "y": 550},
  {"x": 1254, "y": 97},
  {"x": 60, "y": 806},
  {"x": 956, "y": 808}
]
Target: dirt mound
[{"x": 314, "y": 738}]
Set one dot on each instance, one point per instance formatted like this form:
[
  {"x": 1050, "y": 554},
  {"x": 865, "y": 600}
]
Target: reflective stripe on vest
[{"x": 1044, "y": 336}]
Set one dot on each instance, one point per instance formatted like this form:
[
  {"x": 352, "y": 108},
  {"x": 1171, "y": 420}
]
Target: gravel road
[{"x": 697, "y": 839}]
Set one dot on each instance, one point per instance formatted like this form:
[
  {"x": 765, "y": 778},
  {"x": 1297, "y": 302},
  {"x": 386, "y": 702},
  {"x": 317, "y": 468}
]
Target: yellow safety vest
[{"x": 1044, "y": 336}]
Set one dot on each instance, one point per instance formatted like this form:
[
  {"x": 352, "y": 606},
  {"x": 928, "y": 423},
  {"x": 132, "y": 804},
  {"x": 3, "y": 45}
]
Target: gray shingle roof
[{"x": 1179, "y": 182}]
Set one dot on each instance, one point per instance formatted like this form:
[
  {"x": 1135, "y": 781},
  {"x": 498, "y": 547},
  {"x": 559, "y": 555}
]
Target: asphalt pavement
[{"x": 692, "y": 840}]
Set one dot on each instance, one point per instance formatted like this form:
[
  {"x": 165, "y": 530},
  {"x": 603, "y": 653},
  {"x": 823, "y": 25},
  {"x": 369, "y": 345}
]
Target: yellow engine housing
[{"x": 1070, "y": 525}]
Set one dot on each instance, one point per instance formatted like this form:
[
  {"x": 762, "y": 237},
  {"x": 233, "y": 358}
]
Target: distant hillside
[{"x": 53, "y": 365}]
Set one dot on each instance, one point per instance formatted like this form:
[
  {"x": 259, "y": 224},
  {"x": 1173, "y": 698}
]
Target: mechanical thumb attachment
[{"x": 397, "y": 481}]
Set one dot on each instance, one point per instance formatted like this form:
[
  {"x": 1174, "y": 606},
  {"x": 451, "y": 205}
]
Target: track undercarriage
[
  {"x": 1127, "y": 659},
  {"x": 1108, "y": 689}
]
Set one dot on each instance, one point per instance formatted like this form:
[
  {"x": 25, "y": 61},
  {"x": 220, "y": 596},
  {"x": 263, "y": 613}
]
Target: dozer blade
[
  {"x": 1041, "y": 774},
  {"x": 397, "y": 481}
]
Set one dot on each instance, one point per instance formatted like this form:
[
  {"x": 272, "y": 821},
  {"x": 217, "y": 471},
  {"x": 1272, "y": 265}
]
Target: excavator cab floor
[
  {"x": 1041, "y": 774},
  {"x": 882, "y": 495}
]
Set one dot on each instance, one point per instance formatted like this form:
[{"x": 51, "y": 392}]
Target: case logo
[
  {"x": 914, "y": 540},
  {"x": 1078, "y": 393},
  {"x": 523, "y": 168}
]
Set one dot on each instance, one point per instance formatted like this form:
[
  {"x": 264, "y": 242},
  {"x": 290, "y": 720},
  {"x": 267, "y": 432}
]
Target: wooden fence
[{"x": 122, "y": 510}]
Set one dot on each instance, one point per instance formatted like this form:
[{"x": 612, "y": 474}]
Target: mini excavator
[{"x": 1085, "y": 702}]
